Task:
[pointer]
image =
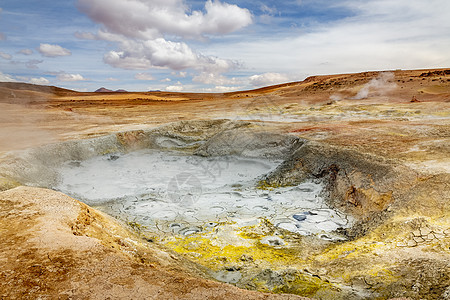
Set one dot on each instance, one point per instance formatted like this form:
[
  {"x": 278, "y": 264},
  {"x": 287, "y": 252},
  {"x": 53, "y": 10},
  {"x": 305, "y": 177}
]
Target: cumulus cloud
[
  {"x": 268, "y": 79},
  {"x": 142, "y": 55},
  {"x": 174, "y": 88},
  {"x": 144, "y": 31},
  {"x": 150, "y": 19},
  {"x": 69, "y": 77},
  {"x": 5, "y": 55},
  {"x": 26, "y": 51},
  {"x": 213, "y": 78},
  {"x": 144, "y": 76},
  {"x": 49, "y": 50},
  {"x": 6, "y": 77},
  {"x": 40, "y": 81}
]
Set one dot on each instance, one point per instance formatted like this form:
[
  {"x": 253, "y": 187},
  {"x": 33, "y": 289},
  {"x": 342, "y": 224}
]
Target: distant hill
[{"x": 105, "y": 90}]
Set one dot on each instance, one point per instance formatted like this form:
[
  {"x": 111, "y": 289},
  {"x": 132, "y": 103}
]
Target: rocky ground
[{"x": 380, "y": 142}]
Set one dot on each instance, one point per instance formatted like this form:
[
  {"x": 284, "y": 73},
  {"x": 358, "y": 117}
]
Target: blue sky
[{"x": 214, "y": 46}]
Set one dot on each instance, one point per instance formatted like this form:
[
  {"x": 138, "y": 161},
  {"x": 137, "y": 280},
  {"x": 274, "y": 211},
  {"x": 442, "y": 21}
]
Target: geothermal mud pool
[
  {"x": 174, "y": 194},
  {"x": 260, "y": 210}
]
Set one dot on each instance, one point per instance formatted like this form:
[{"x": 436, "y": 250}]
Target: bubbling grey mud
[{"x": 173, "y": 193}]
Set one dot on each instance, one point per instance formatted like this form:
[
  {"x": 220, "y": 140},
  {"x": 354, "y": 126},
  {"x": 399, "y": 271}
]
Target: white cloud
[
  {"x": 5, "y": 55},
  {"x": 144, "y": 76},
  {"x": 166, "y": 80},
  {"x": 26, "y": 51},
  {"x": 144, "y": 30},
  {"x": 85, "y": 36},
  {"x": 6, "y": 77},
  {"x": 268, "y": 14},
  {"x": 174, "y": 88},
  {"x": 213, "y": 78},
  {"x": 69, "y": 77},
  {"x": 40, "y": 81},
  {"x": 22, "y": 78},
  {"x": 379, "y": 35},
  {"x": 222, "y": 89},
  {"x": 112, "y": 79},
  {"x": 268, "y": 79},
  {"x": 142, "y": 55},
  {"x": 268, "y": 10},
  {"x": 150, "y": 19},
  {"x": 49, "y": 50},
  {"x": 123, "y": 60},
  {"x": 222, "y": 18},
  {"x": 181, "y": 74}
]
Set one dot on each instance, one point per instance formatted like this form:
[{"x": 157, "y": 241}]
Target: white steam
[
  {"x": 379, "y": 86},
  {"x": 336, "y": 97}
]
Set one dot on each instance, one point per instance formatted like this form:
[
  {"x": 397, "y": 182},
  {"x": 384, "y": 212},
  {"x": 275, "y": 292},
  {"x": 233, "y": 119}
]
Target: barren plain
[{"x": 377, "y": 142}]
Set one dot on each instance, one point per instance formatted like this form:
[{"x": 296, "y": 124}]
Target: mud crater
[
  {"x": 236, "y": 200},
  {"x": 170, "y": 192}
]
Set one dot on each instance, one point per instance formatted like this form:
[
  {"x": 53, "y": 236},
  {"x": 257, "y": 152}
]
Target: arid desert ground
[{"x": 377, "y": 142}]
